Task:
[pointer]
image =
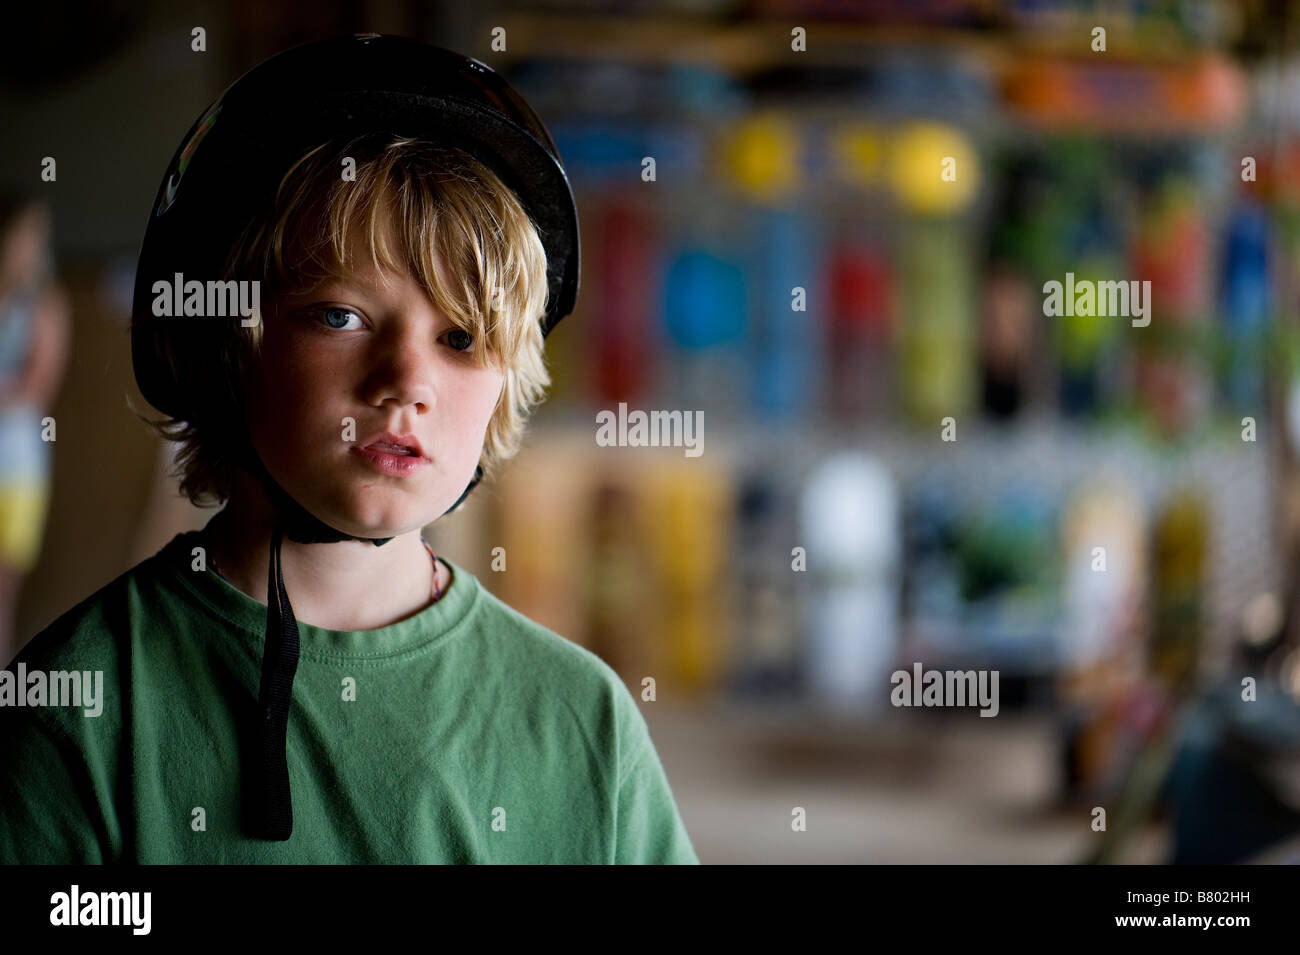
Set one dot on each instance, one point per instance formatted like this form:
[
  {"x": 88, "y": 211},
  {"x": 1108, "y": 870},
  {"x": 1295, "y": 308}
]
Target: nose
[{"x": 402, "y": 372}]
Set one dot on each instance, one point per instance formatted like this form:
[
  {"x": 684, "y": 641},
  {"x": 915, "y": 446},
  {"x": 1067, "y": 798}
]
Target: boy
[{"x": 372, "y": 344}]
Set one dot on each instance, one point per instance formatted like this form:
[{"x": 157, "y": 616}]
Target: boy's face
[{"x": 374, "y": 349}]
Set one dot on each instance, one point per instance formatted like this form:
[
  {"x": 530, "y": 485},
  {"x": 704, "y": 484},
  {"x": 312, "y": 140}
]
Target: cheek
[
  {"x": 482, "y": 398},
  {"x": 292, "y": 403},
  {"x": 470, "y": 402}
]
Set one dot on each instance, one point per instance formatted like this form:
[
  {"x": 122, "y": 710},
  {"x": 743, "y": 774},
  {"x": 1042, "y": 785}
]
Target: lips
[{"x": 390, "y": 443}]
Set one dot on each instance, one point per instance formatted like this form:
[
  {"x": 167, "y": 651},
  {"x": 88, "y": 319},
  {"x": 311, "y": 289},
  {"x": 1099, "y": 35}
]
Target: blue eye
[
  {"x": 334, "y": 314},
  {"x": 460, "y": 335}
]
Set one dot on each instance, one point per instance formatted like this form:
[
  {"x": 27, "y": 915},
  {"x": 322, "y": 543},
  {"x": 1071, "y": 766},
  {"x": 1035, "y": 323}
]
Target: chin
[
  {"x": 370, "y": 526},
  {"x": 373, "y": 516}
]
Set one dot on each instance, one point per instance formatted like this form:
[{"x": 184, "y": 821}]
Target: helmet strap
[{"x": 266, "y": 780}]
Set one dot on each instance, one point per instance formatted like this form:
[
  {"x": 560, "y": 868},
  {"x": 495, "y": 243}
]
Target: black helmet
[{"x": 227, "y": 170}]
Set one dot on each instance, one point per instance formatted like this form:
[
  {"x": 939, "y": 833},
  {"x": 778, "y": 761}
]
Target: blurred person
[
  {"x": 34, "y": 334},
  {"x": 1233, "y": 786},
  {"x": 1223, "y": 767}
]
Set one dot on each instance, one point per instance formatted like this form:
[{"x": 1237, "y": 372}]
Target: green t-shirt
[{"x": 475, "y": 735}]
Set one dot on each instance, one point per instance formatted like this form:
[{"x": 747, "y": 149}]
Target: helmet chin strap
[{"x": 267, "y": 797}]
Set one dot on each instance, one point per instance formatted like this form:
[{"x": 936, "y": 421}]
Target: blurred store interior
[{"x": 837, "y": 254}]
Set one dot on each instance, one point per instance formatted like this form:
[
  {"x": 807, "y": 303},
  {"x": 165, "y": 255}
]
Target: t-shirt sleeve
[
  {"x": 47, "y": 802},
  {"x": 650, "y": 830}
]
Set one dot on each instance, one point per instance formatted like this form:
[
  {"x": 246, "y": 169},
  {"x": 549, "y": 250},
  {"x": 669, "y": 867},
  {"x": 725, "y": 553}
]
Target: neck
[{"x": 348, "y": 585}]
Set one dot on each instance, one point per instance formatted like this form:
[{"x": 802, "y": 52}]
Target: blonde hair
[{"x": 441, "y": 206}]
